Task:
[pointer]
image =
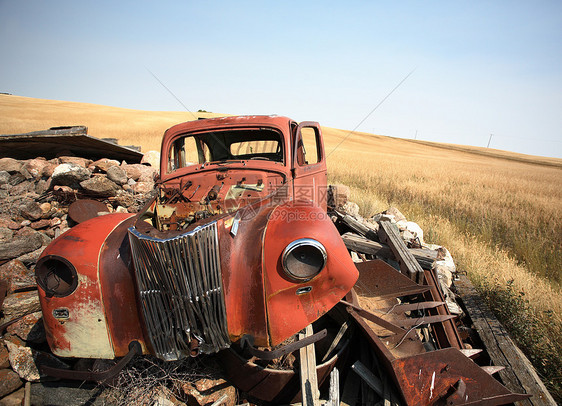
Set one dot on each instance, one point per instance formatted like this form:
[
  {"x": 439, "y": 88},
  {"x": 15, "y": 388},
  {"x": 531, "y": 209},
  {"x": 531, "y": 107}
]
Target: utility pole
[
  {"x": 489, "y": 140},
  {"x": 416, "y": 136}
]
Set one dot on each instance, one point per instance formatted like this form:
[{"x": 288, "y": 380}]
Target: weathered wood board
[{"x": 519, "y": 375}]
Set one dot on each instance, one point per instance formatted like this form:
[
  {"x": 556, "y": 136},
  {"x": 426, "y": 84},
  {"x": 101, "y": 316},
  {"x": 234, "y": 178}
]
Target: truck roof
[{"x": 208, "y": 123}]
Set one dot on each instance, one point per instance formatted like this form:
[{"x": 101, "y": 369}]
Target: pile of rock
[{"x": 35, "y": 195}]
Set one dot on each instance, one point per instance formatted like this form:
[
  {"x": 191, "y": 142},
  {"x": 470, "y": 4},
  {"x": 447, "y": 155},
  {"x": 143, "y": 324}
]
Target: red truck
[{"x": 236, "y": 243}]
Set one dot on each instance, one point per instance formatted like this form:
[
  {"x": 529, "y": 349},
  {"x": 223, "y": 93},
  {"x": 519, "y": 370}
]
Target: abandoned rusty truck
[{"x": 235, "y": 255}]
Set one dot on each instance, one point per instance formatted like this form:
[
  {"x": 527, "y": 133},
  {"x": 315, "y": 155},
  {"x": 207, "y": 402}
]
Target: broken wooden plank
[
  {"x": 336, "y": 341},
  {"x": 358, "y": 243},
  {"x": 351, "y": 388},
  {"x": 425, "y": 256},
  {"x": 360, "y": 228},
  {"x": 334, "y": 394},
  {"x": 470, "y": 352},
  {"x": 309, "y": 379},
  {"x": 220, "y": 400},
  {"x": 389, "y": 234},
  {"x": 519, "y": 375}
]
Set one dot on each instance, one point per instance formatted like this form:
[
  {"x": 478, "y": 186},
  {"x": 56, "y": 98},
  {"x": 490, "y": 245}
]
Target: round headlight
[
  {"x": 303, "y": 259},
  {"x": 56, "y": 276}
]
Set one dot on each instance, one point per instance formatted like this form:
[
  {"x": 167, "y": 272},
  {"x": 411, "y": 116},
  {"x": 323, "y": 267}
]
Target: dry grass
[
  {"x": 499, "y": 213},
  {"x": 500, "y": 217},
  {"x": 130, "y": 127}
]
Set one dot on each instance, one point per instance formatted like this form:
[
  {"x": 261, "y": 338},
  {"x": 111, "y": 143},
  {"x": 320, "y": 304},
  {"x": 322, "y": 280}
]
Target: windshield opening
[{"x": 226, "y": 145}]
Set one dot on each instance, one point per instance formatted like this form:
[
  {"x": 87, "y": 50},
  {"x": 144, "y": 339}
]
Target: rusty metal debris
[
  {"x": 85, "y": 209},
  {"x": 97, "y": 376},
  {"x": 422, "y": 377}
]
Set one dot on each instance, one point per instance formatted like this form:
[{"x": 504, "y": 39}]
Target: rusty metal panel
[
  {"x": 118, "y": 290},
  {"x": 76, "y": 324},
  {"x": 291, "y": 305},
  {"x": 85, "y": 209},
  {"x": 425, "y": 378},
  {"x": 378, "y": 279}
]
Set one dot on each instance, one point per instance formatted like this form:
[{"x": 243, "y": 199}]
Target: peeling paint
[{"x": 87, "y": 333}]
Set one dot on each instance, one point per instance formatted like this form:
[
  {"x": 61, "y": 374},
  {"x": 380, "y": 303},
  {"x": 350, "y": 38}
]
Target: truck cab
[{"x": 236, "y": 243}]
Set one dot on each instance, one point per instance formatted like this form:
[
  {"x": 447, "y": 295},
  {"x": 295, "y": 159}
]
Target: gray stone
[
  {"x": 42, "y": 186},
  {"x": 5, "y": 234},
  {"x": 25, "y": 361},
  {"x": 9, "y": 382},
  {"x": 4, "y": 360},
  {"x": 117, "y": 175},
  {"x": 31, "y": 258},
  {"x": 16, "y": 179},
  {"x": 351, "y": 208},
  {"x": 10, "y": 165},
  {"x": 35, "y": 167},
  {"x": 14, "y": 399},
  {"x": 31, "y": 210},
  {"x": 143, "y": 187},
  {"x": 22, "y": 189},
  {"x": 124, "y": 199},
  {"x": 29, "y": 231},
  {"x": 139, "y": 172},
  {"x": 83, "y": 162},
  {"x": 398, "y": 216},
  {"x": 17, "y": 275},
  {"x": 104, "y": 164},
  {"x": 18, "y": 304},
  {"x": 69, "y": 174},
  {"x": 30, "y": 328},
  {"x": 20, "y": 246},
  {"x": 4, "y": 177},
  {"x": 64, "y": 393},
  {"x": 100, "y": 186}
]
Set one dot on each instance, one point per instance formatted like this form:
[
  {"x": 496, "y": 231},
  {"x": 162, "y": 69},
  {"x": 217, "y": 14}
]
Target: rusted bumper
[{"x": 98, "y": 376}]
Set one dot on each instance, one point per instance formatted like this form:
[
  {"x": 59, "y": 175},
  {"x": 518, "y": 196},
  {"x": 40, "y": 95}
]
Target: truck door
[{"x": 309, "y": 165}]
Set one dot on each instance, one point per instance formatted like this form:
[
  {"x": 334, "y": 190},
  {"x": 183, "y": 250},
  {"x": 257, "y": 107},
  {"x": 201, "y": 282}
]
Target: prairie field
[{"x": 499, "y": 213}]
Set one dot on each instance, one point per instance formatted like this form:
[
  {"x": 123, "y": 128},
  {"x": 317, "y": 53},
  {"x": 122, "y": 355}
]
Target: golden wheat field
[{"x": 499, "y": 213}]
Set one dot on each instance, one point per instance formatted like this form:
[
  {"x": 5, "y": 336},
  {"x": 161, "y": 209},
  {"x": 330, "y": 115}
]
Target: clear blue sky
[{"x": 481, "y": 68}]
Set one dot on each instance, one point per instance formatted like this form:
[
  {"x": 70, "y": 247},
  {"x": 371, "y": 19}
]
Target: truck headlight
[
  {"x": 56, "y": 276},
  {"x": 303, "y": 259}
]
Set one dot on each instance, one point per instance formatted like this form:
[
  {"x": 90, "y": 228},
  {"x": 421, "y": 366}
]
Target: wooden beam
[
  {"x": 309, "y": 379},
  {"x": 519, "y": 375},
  {"x": 388, "y": 233},
  {"x": 358, "y": 243},
  {"x": 358, "y": 227},
  {"x": 334, "y": 395}
]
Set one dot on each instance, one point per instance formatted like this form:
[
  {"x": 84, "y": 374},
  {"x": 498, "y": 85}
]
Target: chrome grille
[{"x": 180, "y": 288}]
